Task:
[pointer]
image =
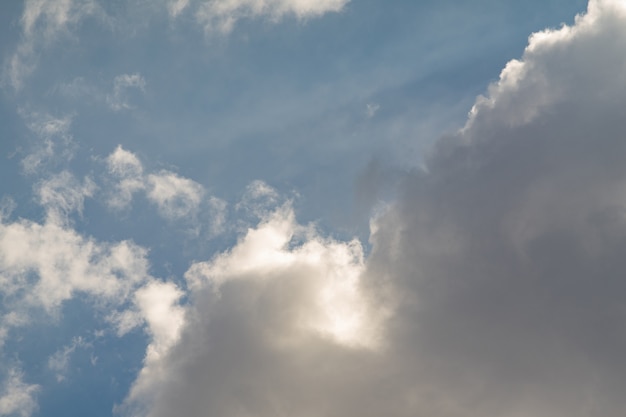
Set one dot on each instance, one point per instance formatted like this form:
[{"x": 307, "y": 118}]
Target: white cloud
[
  {"x": 60, "y": 360},
  {"x": 62, "y": 194},
  {"x": 123, "y": 163},
  {"x": 158, "y": 305},
  {"x": 126, "y": 168},
  {"x": 221, "y": 15},
  {"x": 294, "y": 295},
  {"x": 53, "y": 141},
  {"x": 17, "y": 397},
  {"x": 118, "y": 99},
  {"x": 43, "y": 265},
  {"x": 176, "y": 197},
  {"x": 258, "y": 200}
]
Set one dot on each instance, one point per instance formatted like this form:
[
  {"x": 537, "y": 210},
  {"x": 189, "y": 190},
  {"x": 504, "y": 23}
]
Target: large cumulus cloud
[{"x": 496, "y": 279}]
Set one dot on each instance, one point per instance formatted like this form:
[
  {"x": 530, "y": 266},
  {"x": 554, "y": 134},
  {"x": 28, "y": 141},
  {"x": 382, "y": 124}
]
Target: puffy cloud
[
  {"x": 176, "y": 197},
  {"x": 126, "y": 168},
  {"x": 221, "y": 15},
  {"x": 494, "y": 285},
  {"x": 504, "y": 255},
  {"x": 282, "y": 292},
  {"x": 43, "y": 265},
  {"x": 158, "y": 305},
  {"x": 124, "y": 163}
]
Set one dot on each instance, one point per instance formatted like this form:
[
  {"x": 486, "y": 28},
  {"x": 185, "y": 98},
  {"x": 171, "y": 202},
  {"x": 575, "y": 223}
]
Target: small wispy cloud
[
  {"x": 118, "y": 99},
  {"x": 43, "y": 22},
  {"x": 371, "y": 109},
  {"x": 63, "y": 194},
  {"x": 53, "y": 140},
  {"x": 59, "y": 361}
]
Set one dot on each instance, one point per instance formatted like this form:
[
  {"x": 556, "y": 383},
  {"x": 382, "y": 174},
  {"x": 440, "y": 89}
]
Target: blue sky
[{"x": 311, "y": 208}]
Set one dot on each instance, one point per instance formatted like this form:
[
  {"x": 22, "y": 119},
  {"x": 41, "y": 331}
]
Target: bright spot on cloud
[{"x": 330, "y": 270}]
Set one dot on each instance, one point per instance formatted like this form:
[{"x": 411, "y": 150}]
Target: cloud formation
[
  {"x": 497, "y": 274},
  {"x": 53, "y": 141},
  {"x": 118, "y": 99},
  {"x": 62, "y": 194},
  {"x": 43, "y": 265},
  {"x": 17, "y": 398},
  {"x": 43, "y": 21},
  {"x": 59, "y": 362},
  {"x": 494, "y": 284},
  {"x": 262, "y": 313},
  {"x": 221, "y": 15},
  {"x": 175, "y": 197}
]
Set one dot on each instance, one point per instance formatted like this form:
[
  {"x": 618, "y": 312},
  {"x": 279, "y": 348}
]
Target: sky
[{"x": 312, "y": 208}]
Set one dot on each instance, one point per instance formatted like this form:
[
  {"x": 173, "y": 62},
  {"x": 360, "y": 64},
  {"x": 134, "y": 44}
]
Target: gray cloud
[{"x": 497, "y": 273}]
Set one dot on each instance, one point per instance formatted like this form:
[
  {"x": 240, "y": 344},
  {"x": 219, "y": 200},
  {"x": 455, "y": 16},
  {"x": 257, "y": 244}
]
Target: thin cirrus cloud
[
  {"x": 52, "y": 141},
  {"x": 43, "y": 22},
  {"x": 46, "y": 21}
]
